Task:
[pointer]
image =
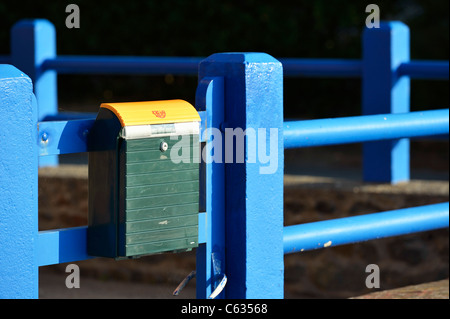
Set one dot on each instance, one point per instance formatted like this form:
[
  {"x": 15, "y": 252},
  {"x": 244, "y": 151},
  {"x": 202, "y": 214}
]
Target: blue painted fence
[{"x": 241, "y": 222}]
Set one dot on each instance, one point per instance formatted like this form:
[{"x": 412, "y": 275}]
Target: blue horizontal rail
[
  {"x": 189, "y": 66},
  {"x": 437, "y": 70},
  {"x": 58, "y": 136},
  {"x": 342, "y": 68},
  {"x": 123, "y": 65},
  {"x": 368, "y": 128},
  {"x": 69, "y": 245},
  {"x": 67, "y": 116},
  {"x": 351, "y": 230},
  {"x": 62, "y": 246},
  {"x": 66, "y": 137}
]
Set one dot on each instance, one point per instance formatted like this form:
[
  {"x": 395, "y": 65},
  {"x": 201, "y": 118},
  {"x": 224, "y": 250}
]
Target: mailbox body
[{"x": 143, "y": 180}]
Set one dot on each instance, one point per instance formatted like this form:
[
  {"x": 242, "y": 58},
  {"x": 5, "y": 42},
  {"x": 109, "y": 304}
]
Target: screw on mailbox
[{"x": 164, "y": 147}]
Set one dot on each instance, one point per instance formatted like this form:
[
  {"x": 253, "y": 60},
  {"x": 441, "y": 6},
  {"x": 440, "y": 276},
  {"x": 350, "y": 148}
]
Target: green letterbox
[{"x": 143, "y": 179}]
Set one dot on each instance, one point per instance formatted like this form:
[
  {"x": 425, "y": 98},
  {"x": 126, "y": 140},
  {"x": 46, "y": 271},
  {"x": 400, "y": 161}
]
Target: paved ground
[
  {"x": 435, "y": 290},
  {"x": 52, "y": 286}
]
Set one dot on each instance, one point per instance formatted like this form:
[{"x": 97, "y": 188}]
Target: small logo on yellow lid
[{"x": 160, "y": 114}]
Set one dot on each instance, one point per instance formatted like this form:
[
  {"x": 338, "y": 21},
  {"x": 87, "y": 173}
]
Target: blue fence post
[
  {"x": 386, "y": 91},
  {"x": 32, "y": 42},
  {"x": 19, "y": 186},
  {"x": 210, "y": 100},
  {"x": 253, "y": 84}
]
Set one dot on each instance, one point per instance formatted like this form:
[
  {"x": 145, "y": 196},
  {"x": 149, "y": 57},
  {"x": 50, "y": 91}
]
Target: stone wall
[
  {"x": 339, "y": 272},
  {"x": 335, "y": 272}
]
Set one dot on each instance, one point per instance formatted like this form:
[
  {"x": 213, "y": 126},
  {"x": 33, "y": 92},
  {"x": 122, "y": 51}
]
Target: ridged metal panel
[{"x": 161, "y": 197}]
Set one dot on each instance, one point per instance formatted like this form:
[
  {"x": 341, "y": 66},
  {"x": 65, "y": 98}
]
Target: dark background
[{"x": 301, "y": 28}]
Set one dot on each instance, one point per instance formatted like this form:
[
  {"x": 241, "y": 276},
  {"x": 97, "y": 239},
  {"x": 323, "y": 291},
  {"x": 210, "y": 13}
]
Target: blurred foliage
[{"x": 301, "y": 28}]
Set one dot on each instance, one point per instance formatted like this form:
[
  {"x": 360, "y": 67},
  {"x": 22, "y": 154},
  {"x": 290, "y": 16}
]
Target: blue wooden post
[
  {"x": 19, "y": 185},
  {"x": 385, "y": 91},
  {"x": 210, "y": 98},
  {"x": 32, "y": 42},
  {"x": 253, "y": 94}
]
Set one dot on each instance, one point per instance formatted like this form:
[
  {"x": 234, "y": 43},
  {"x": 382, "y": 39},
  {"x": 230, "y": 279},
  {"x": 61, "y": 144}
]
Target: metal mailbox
[{"x": 143, "y": 193}]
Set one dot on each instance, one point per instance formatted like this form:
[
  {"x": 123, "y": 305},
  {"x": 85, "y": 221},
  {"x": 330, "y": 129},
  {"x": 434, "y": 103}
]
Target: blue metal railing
[
  {"x": 123, "y": 65},
  {"x": 367, "y": 128},
  {"x": 329, "y": 68},
  {"x": 356, "y": 229},
  {"x": 385, "y": 69},
  {"x": 258, "y": 198}
]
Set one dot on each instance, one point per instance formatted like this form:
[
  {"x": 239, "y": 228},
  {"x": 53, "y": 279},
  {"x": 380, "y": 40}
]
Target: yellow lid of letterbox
[{"x": 154, "y": 112}]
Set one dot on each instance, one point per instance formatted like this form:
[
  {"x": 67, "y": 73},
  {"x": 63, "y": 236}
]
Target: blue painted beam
[
  {"x": 385, "y": 91},
  {"x": 33, "y": 42},
  {"x": 69, "y": 245},
  {"x": 350, "y": 230},
  {"x": 63, "y": 137},
  {"x": 70, "y": 136},
  {"x": 293, "y": 67},
  {"x": 123, "y": 65},
  {"x": 67, "y": 116},
  {"x": 62, "y": 246},
  {"x": 341, "y": 68},
  {"x": 19, "y": 186},
  {"x": 253, "y": 98},
  {"x": 189, "y": 66},
  {"x": 210, "y": 103},
  {"x": 368, "y": 128},
  {"x": 431, "y": 70}
]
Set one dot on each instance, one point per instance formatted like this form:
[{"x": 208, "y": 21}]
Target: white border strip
[{"x": 159, "y": 130}]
